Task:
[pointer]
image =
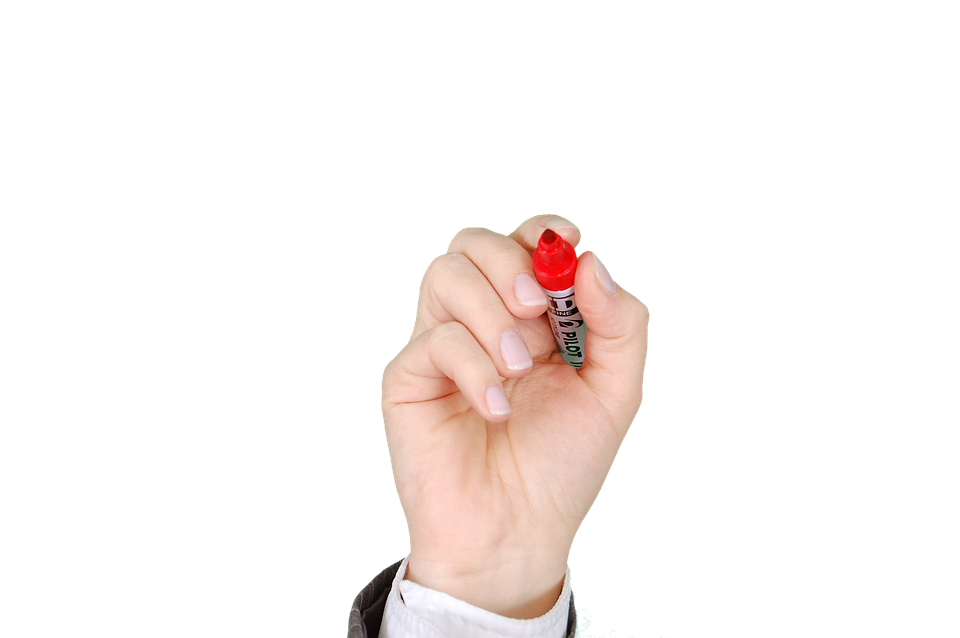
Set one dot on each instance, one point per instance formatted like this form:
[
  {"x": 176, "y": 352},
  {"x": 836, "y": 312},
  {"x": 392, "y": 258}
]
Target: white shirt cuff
[{"x": 414, "y": 611}]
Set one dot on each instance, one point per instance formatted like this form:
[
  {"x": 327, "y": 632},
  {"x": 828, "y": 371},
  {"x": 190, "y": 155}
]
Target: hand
[{"x": 498, "y": 446}]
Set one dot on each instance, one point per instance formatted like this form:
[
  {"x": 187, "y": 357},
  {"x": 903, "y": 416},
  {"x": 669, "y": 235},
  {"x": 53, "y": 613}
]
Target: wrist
[{"x": 515, "y": 585}]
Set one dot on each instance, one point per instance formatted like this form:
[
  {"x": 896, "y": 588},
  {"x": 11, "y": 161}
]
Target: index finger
[{"x": 528, "y": 233}]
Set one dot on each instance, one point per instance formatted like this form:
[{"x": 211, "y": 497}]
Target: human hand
[{"x": 499, "y": 447}]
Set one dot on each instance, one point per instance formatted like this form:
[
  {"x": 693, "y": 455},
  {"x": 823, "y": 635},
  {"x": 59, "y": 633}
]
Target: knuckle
[
  {"x": 634, "y": 324},
  {"x": 464, "y": 236},
  {"x": 443, "y": 265},
  {"x": 637, "y": 310},
  {"x": 440, "y": 268},
  {"x": 387, "y": 383},
  {"x": 447, "y": 334}
]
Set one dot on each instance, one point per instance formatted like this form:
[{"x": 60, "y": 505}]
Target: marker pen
[{"x": 555, "y": 264}]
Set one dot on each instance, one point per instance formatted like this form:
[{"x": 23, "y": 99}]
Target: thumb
[{"x": 616, "y": 344}]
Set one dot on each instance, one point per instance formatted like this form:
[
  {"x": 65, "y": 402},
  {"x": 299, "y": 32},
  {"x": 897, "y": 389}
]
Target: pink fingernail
[
  {"x": 528, "y": 291},
  {"x": 514, "y": 351},
  {"x": 603, "y": 276},
  {"x": 559, "y": 222},
  {"x": 497, "y": 401}
]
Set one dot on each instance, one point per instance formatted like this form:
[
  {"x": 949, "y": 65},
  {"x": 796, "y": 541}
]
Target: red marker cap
[{"x": 554, "y": 262}]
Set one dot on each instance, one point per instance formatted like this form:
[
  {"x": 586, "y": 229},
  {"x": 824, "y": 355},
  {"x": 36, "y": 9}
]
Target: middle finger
[{"x": 454, "y": 289}]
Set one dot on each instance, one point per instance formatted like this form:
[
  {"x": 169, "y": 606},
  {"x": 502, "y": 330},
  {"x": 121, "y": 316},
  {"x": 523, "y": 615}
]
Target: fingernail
[
  {"x": 604, "y": 277},
  {"x": 528, "y": 291},
  {"x": 514, "y": 351},
  {"x": 559, "y": 222},
  {"x": 497, "y": 401}
]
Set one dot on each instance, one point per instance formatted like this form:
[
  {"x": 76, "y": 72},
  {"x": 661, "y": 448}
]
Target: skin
[{"x": 493, "y": 501}]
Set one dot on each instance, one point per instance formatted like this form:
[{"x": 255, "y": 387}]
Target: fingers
[
  {"x": 528, "y": 233},
  {"x": 616, "y": 346},
  {"x": 439, "y": 361},
  {"x": 486, "y": 282},
  {"x": 506, "y": 266},
  {"x": 454, "y": 290}
]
